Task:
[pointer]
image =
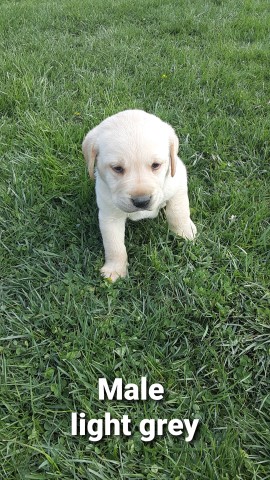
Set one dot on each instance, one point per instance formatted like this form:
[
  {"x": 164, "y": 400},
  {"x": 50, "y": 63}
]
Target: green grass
[{"x": 194, "y": 317}]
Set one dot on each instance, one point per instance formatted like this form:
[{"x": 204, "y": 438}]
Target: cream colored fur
[{"x": 136, "y": 161}]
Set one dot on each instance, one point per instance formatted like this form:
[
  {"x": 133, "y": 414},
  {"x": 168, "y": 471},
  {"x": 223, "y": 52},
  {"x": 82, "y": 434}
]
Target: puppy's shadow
[{"x": 88, "y": 221}]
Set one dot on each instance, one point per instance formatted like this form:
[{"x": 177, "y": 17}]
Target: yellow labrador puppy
[{"x": 137, "y": 173}]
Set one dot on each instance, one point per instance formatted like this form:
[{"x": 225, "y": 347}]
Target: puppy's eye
[
  {"x": 118, "y": 169},
  {"x": 155, "y": 166}
]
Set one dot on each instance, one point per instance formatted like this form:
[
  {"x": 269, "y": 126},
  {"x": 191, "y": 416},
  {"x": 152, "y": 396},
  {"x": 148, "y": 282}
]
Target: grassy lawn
[{"x": 193, "y": 317}]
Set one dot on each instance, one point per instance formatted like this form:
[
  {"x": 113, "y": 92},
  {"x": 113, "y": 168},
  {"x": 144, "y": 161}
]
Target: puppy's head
[{"x": 134, "y": 153}]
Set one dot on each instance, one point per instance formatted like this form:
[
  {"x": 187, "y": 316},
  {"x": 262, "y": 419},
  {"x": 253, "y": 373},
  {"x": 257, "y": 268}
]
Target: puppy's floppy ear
[
  {"x": 90, "y": 150},
  {"x": 174, "y": 145}
]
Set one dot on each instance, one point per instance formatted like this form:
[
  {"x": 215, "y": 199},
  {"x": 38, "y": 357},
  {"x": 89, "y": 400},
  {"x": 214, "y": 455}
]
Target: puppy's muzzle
[{"x": 141, "y": 202}]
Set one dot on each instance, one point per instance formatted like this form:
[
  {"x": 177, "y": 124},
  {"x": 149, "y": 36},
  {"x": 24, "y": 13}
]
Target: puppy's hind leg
[
  {"x": 178, "y": 215},
  {"x": 113, "y": 235}
]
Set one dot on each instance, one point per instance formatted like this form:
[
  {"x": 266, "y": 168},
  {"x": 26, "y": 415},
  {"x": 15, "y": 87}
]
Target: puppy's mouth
[{"x": 132, "y": 209}]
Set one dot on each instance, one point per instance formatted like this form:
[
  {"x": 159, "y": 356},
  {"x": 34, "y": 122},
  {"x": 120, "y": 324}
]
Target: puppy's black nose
[{"x": 142, "y": 201}]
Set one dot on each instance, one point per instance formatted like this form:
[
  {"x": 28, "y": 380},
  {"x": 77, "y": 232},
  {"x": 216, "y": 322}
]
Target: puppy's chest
[{"x": 145, "y": 213}]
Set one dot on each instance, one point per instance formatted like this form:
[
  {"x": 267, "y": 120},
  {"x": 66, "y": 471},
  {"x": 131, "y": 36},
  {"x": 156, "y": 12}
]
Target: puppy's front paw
[
  {"x": 187, "y": 230},
  {"x": 113, "y": 271}
]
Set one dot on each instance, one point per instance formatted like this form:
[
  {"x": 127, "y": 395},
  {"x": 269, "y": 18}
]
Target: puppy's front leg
[
  {"x": 178, "y": 215},
  {"x": 113, "y": 235}
]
